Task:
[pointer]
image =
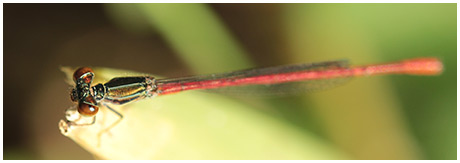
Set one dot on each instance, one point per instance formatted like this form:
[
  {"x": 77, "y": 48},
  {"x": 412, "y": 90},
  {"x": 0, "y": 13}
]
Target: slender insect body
[{"x": 122, "y": 90}]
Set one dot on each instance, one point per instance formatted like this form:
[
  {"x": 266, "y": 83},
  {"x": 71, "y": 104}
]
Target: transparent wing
[
  {"x": 288, "y": 88},
  {"x": 284, "y": 89}
]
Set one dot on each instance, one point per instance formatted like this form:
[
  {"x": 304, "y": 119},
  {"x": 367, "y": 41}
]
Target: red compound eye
[
  {"x": 88, "y": 107},
  {"x": 85, "y": 73},
  {"x": 87, "y": 110}
]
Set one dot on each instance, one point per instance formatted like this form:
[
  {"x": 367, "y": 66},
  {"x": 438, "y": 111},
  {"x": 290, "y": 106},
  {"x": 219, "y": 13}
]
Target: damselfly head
[{"x": 87, "y": 105}]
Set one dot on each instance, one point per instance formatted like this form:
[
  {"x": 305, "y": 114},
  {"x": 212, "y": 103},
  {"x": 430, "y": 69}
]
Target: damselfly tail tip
[{"x": 423, "y": 66}]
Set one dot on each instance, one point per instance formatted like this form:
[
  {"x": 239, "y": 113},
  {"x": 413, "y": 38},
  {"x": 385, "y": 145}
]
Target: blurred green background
[{"x": 383, "y": 117}]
